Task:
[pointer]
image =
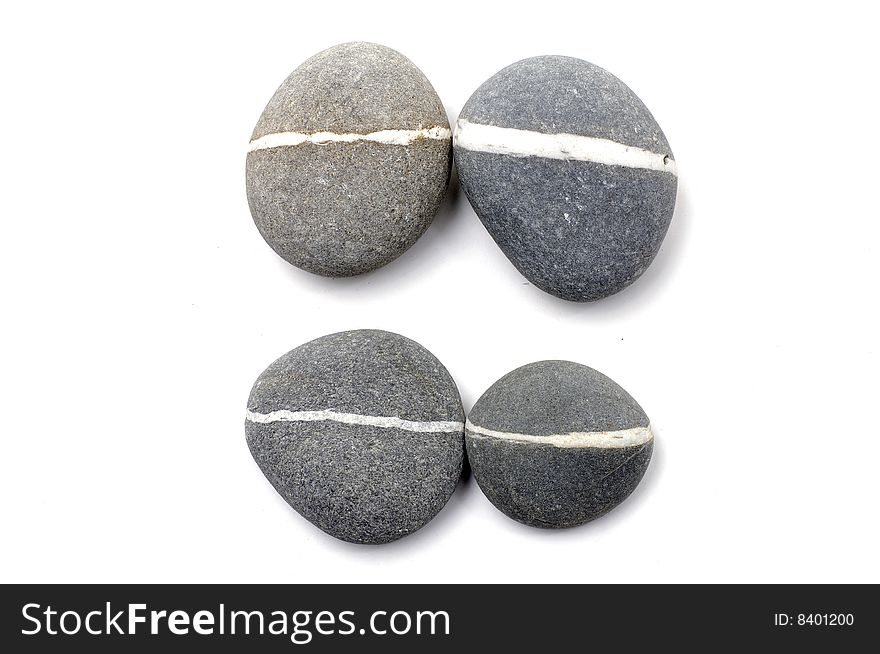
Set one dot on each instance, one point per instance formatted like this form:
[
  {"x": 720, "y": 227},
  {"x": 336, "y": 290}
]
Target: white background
[{"x": 139, "y": 302}]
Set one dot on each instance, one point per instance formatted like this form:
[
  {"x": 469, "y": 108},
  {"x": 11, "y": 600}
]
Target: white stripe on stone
[
  {"x": 385, "y": 136},
  {"x": 388, "y": 422},
  {"x": 571, "y": 147},
  {"x": 604, "y": 439}
]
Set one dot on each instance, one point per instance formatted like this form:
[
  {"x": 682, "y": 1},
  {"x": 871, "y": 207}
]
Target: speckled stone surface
[
  {"x": 359, "y": 483},
  {"x": 544, "y": 485},
  {"x": 579, "y": 230},
  {"x": 340, "y": 209}
]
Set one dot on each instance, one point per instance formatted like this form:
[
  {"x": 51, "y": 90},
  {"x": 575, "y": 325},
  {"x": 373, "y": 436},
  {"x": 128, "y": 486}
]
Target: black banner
[{"x": 113, "y": 618}]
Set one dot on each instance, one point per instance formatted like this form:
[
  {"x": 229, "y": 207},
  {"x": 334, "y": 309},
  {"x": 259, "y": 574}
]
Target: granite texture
[
  {"x": 545, "y": 485},
  {"x": 359, "y": 483},
  {"x": 576, "y": 229},
  {"x": 341, "y": 209}
]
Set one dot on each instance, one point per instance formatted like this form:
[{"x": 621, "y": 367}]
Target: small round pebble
[
  {"x": 350, "y": 160},
  {"x": 557, "y": 444},
  {"x": 569, "y": 173},
  {"x": 362, "y": 432}
]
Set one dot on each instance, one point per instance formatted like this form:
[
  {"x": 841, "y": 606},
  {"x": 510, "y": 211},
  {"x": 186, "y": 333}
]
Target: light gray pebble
[
  {"x": 362, "y": 432},
  {"x": 557, "y": 444},
  {"x": 336, "y": 206}
]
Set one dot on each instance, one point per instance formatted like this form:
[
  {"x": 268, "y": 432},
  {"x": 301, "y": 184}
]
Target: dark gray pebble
[
  {"x": 557, "y": 444},
  {"x": 578, "y": 185},
  {"x": 362, "y": 432}
]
